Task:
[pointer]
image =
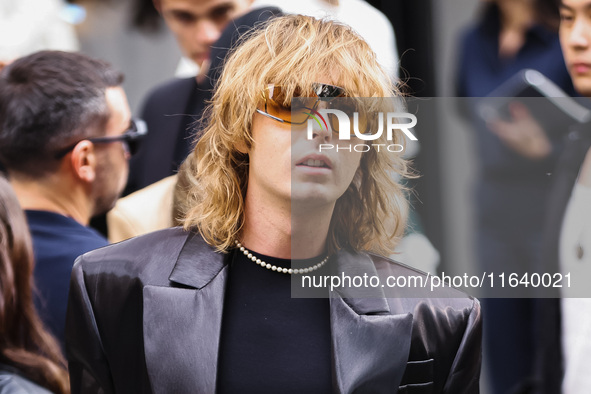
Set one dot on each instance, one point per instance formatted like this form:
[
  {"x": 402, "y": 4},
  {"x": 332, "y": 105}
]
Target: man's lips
[
  {"x": 581, "y": 67},
  {"x": 200, "y": 57},
  {"x": 315, "y": 161}
]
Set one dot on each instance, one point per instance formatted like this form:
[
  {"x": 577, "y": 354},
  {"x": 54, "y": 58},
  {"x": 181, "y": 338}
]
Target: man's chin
[
  {"x": 105, "y": 204},
  {"x": 583, "y": 86},
  {"x": 103, "y": 208},
  {"x": 310, "y": 199}
]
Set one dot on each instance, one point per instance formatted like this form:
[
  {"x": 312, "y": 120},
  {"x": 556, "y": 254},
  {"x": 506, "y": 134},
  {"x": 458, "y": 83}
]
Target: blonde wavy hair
[{"x": 294, "y": 51}]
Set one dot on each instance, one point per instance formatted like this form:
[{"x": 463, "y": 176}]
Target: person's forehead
[{"x": 200, "y": 6}]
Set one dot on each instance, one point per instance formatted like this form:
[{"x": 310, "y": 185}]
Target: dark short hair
[
  {"x": 49, "y": 100},
  {"x": 546, "y": 12}
]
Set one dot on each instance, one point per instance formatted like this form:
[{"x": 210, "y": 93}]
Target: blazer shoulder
[
  {"x": 176, "y": 90},
  {"x": 150, "y": 257}
]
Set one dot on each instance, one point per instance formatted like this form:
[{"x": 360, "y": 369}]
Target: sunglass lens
[
  {"x": 137, "y": 131},
  {"x": 279, "y": 105},
  {"x": 275, "y": 103},
  {"x": 302, "y": 109},
  {"x": 133, "y": 144},
  {"x": 323, "y": 90}
]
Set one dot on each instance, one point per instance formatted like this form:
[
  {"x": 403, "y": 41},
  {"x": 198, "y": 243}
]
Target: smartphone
[{"x": 554, "y": 110}]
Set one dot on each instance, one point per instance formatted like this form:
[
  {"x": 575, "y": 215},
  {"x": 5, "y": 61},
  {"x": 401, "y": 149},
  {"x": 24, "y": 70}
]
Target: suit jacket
[
  {"x": 169, "y": 118},
  {"x": 144, "y": 316},
  {"x": 549, "y": 368}
]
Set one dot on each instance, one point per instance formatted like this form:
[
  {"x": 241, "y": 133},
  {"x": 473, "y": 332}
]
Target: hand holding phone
[
  {"x": 522, "y": 133},
  {"x": 550, "y": 106}
]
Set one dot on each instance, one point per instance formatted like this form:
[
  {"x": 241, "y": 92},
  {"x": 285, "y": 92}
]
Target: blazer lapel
[
  {"x": 182, "y": 324},
  {"x": 370, "y": 347}
]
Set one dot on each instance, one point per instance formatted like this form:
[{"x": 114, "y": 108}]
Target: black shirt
[{"x": 270, "y": 342}]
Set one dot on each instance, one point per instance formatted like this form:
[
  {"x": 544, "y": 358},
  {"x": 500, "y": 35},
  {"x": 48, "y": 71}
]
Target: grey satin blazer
[{"x": 144, "y": 316}]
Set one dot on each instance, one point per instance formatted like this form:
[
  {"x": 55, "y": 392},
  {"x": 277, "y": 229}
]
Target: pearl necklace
[{"x": 268, "y": 266}]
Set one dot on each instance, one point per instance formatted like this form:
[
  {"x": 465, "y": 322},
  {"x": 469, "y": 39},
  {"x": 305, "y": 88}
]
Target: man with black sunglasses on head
[{"x": 66, "y": 136}]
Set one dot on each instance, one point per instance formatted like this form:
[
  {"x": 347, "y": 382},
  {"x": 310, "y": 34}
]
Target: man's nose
[
  {"x": 579, "y": 35},
  {"x": 206, "y": 31}
]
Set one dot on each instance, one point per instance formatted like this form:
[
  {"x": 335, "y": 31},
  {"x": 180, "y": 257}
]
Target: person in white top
[
  {"x": 370, "y": 23},
  {"x": 575, "y": 239},
  {"x": 575, "y": 259},
  {"x": 28, "y": 26}
]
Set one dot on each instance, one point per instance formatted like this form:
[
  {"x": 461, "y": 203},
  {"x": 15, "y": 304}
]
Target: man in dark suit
[
  {"x": 209, "y": 309},
  {"x": 172, "y": 109}
]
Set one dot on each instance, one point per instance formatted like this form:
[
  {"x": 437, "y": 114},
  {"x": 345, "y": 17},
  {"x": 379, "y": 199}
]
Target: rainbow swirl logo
[{"x": 316, "y": 115}]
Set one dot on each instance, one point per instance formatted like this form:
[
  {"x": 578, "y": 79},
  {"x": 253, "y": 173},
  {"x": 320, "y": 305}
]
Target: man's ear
[{"x": 84, "y": 161}]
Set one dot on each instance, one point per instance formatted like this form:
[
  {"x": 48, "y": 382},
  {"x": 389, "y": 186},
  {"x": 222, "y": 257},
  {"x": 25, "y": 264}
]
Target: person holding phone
[{"x": 514, "y": 159}]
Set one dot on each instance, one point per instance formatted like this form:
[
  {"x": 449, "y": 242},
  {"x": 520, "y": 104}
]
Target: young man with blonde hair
[{"x": 210, "y": 309}]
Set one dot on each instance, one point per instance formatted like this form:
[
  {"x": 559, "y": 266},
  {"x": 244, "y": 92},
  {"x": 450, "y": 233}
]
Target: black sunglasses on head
[{"x": 131, "y": 139}]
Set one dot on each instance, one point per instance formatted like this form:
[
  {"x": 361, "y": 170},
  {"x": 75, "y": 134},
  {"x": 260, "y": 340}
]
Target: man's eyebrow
[
  {"x": 176, "y": 12},
  {"x": 585, "y": 7}
]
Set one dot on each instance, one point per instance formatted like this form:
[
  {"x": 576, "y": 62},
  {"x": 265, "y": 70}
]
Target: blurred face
[
  {"x": 112, "y": 158},
  {"x": 287, "y": 167},
  {"x": 197, "y": 24},
  {"x": 575, "y": 38}
]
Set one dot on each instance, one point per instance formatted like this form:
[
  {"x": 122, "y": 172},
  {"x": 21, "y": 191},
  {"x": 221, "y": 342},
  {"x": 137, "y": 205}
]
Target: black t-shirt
[{"x": 270, "y": 342}]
